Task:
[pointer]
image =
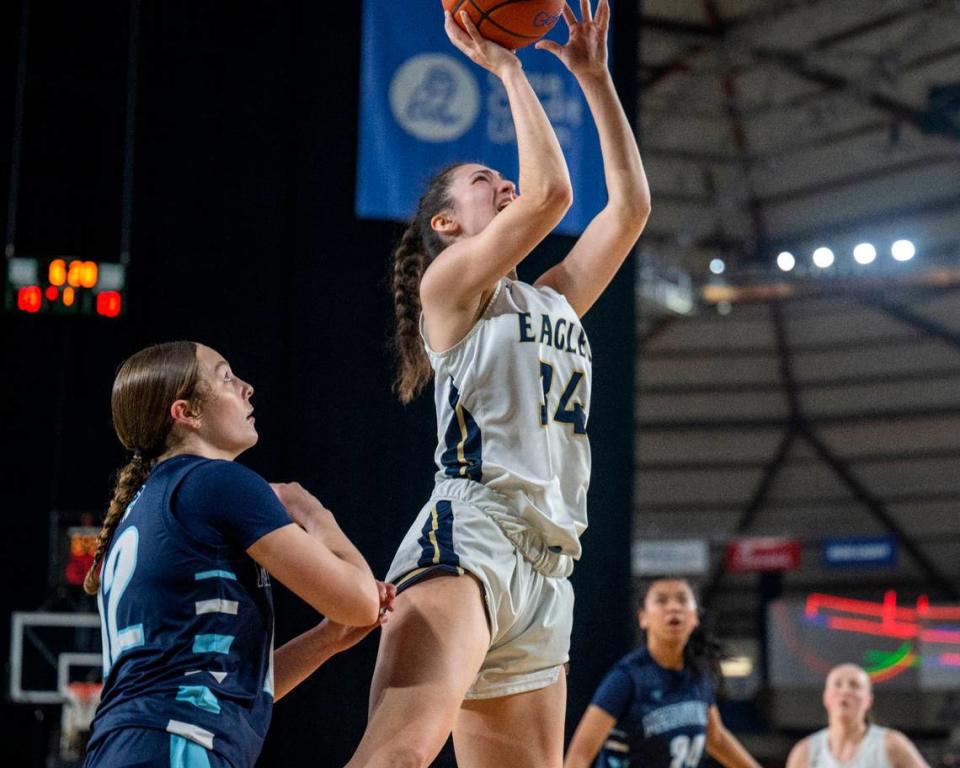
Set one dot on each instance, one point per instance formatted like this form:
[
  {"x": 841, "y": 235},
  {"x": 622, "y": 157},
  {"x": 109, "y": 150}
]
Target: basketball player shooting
[{"x": 482, "y": 622}]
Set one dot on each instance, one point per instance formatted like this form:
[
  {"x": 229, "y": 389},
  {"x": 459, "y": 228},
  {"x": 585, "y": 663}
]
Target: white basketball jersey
[
  {"x": 872, "y": 752},
  {"x": 512, "y": 399}
]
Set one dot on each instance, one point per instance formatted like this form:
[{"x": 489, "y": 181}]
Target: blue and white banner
[
  {"x": 860, "y": 551},
  {"x": 424, "y": 105}
]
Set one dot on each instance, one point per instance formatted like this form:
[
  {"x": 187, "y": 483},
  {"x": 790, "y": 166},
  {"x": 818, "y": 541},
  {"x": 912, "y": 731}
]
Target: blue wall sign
[
  {"x": 860, "y": 551},
  {"x": 424, "y": 105}
]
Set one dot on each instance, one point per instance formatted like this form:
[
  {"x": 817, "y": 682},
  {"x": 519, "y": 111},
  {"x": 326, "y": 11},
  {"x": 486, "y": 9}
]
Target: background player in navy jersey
[
  {"x": 187, "y": 549},
  {"x": 656, "y": 707},
  {"x": 483, "y": 619}
]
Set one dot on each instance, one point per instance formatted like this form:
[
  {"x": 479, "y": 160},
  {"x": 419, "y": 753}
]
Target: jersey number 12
[{"x": 115, "y": 578}]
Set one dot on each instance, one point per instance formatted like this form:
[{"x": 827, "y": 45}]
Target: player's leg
[
  {"x": 430, "y": 652},
  {"x": 523, "y": 729}
]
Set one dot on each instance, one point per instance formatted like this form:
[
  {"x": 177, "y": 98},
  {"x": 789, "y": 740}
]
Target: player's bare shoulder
[{"x": 800, "y": 754}]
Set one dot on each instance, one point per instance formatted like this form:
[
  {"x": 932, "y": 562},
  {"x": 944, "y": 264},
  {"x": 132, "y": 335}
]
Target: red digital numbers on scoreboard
[
  {"x": 109, "y": 303},
  {"x": 29, "y": 299},
  {"x": 65, "y": 286}
]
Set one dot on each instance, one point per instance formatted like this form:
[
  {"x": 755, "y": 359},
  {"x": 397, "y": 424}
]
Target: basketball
[{"x": 511, "y": 23}]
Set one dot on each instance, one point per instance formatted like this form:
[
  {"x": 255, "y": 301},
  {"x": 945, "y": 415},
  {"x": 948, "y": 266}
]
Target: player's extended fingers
[
  {"x": 549, "y": 45},
  {"x": 585, "y": 13},
  {"x": 603, "y": 14},
  {"x": 471, "y": 28},
  {"x": 569, "y": 16},
  {"x": 457, "y": 36}
]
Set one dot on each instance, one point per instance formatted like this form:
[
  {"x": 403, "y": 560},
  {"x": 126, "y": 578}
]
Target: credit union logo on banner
[
  {"x": 423, "y": 106},
  {"x": 434, "y": 97}
]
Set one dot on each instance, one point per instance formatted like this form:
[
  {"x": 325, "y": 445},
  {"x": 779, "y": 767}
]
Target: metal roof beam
[
  {"x": 814, "y": 347},
  {"x": 873, "y": 25},
  {"x": 877, "y": 508},
  {"x": 739, "y": 465},
  {"x": 714, "y": 507},
  {"x": 939, "y": 205},
  {"x": 772, "y": 423},
  {"x": 680, "y": 28},
  {"x": 925, "y": 325},
  {"x": 798, "y": 65},
  {"x": 844, "y": 182},
  {"x": 763, "y": 387},
  {"x": 756, "y": 504}
]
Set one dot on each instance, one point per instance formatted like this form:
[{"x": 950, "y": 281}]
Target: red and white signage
[{"x": 763, "y": 554}]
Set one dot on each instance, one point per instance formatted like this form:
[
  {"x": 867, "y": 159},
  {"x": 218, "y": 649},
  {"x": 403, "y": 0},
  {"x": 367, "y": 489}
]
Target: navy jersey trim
[
  {"x": 464, "y": 454},
  {"x": 436, "y": 538}
]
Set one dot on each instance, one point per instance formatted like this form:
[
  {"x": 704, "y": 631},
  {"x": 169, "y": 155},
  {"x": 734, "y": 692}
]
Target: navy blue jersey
[
  {"x": 187, "y": 615},
  {"x": 661, "y": 714}
]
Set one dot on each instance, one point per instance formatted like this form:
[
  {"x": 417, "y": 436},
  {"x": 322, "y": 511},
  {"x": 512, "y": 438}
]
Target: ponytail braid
[
  {"x": 418, "y": 246},
  {"x": 129, "y": 480},
  {"x": 413, "y": 365}
]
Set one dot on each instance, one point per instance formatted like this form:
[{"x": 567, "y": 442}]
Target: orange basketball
[{"x": 511, "y": 23}]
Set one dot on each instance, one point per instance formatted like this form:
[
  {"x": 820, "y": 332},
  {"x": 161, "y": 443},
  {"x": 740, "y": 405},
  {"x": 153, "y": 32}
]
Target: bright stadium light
[
  {"x": 903, "y": 250},
  {"x": 786, "y": 261},
  {"x": 717, "y": 266},
  {"x": 864, "y": 253},
  {"x": 823, "y": 257}
]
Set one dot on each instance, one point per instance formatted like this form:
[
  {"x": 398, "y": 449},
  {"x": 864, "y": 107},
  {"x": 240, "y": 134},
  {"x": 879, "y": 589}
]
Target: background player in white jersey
[
  {"x": 850, "y": 739},
  {"x": 482, "y": 655}
]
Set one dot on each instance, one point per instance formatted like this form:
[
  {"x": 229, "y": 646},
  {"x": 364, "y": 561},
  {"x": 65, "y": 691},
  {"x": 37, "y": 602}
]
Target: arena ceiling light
[
  {"x": 903, "y": 250},
  {"x": 717, "y": 266},
  {"x": 823, "y": 257},
  {"x": 786, "y": 261},
  {"x": 864, "y": 253}
]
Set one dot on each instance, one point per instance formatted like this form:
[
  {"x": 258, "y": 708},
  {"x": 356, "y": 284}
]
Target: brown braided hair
[
  {"x": 146, "y": 385},
  {"x": 419, "y": 245}
]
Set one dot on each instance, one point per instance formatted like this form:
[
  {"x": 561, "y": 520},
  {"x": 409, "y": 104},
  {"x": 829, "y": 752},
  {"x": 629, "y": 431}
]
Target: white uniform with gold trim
[
  {"x": 512, "y": 400},
  {"x": 513, "y": 462}
]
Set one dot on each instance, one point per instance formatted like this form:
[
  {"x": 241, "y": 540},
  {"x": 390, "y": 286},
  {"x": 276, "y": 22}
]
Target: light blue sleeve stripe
[
  {"x": 200, "y": 696},
  {"x": 215, "y": 575},
  {"x": 187, "y": 754},
  {"x": 212, "y": 643}
]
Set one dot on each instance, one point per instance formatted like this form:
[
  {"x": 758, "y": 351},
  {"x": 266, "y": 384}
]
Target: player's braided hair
[
  {"x": 419, "y": 245},
  {"x": 146, "y": 385},
  {"x": 702, "y": 654}
]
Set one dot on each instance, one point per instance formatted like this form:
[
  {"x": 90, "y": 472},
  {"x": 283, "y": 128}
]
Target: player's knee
[{"x": 408, "y": 756}]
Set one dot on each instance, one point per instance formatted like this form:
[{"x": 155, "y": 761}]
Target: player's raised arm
[
  {"x": 486, "y": 228},
  {"x": 594, "y": 260}
]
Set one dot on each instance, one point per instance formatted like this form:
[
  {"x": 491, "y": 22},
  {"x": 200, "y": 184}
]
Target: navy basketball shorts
[{"x": 150, "y": 748}]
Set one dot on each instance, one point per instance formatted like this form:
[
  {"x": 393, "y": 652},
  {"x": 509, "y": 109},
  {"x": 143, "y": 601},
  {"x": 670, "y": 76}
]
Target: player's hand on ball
[
  {"x": 585, "y": 52},
  {"x": 304, "y": 508},
  {"x": 489, "y": 55}
]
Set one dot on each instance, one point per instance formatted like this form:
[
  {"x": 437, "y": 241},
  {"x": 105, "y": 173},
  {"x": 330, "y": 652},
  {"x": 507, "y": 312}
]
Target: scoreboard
[{"x": 65, "y": 286}]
